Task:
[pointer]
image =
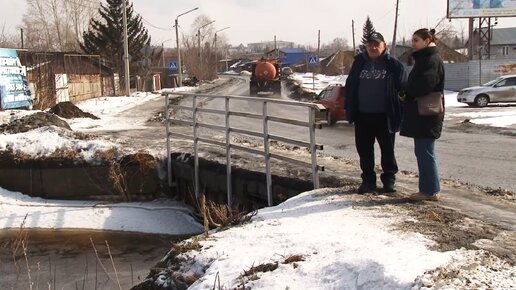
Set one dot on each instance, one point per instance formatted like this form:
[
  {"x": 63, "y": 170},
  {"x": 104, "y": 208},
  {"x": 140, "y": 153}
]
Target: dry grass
[
  {"x": 19, "y": 245},
  {"x": 217, "y": 215},
  {"x": 269, "y": 267},
  {"x": 432, "y": 215},
  {"x": 66, "y": 154},
  {"x": 145, "y": 161},
  {"x": 293, "y": 258},
  {"x": 118, "y": 178},
  {"x": 118, "y": 173},
  {"x": 187, "y": 246},
  {"x": 111, "y": 154}
]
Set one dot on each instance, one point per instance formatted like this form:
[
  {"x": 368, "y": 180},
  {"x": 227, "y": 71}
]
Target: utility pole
[
  {"x": 471, "y": 50},
  {"x": 318, "y": 54},
  {"x": 126, "y": 51},
  {"x": 353, "y": 34},
  {"x": 163, "y": 53},
  {"x": 179, "y": 66},
  {"x": 276, "y": 47},
  {"x": 318, "y": 44},
  {"x": 395, "y": 28},
  {"x": 22, "y": 44},
  {"x": 226, "y": 57}
]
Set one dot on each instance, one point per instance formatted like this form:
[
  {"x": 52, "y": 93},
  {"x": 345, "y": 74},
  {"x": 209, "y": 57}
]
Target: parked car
[
  {"x": 332, "y": 98},
  {"x": 500, "y": 90}
]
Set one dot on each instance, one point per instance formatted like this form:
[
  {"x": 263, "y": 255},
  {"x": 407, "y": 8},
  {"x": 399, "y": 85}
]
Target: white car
[{"x": 500, "y": 90}]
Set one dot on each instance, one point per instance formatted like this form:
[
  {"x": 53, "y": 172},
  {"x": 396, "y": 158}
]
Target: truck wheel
[
  {"x": 253, "y": 92},
  {"x": 330, "y": 120}
]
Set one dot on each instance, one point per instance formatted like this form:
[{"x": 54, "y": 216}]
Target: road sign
[
  {"x": 312, "y": 59},
  {"x": 146, "y": 50},
  {"x": 172, "y": 65}
]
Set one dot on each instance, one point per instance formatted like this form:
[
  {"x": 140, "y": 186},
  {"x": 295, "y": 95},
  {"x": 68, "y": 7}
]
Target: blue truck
[{"x": 14, "y": 88}]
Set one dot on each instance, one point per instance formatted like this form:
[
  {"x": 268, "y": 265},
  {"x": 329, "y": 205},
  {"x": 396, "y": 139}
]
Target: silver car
[{"x": 500, "y": 90}]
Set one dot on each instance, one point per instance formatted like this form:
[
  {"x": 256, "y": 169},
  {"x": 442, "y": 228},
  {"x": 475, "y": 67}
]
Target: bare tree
[
  {"x": 200, "y": 61},
  {"x": 6, "y": 39},
  {"x": 334, "y": 46},
  {"x": 448, "y": 35},
  {"x": 56, "y": 24}
]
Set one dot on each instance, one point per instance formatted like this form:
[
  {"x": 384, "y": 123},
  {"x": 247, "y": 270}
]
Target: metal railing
[{"x": 265, "y": 118}]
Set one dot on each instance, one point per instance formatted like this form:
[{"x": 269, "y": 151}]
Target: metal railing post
[
  {"x": 169, "y": 158},
  {"x": 196, "y": 145},
  {"x": 266, "y": 152},
  {"x": 197, "y": 124},
  {"x": 313, "y": 149},
  {"x": 228, "y": 155}
]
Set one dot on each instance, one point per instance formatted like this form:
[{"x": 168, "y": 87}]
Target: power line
[{"x": 154, "y": 26}]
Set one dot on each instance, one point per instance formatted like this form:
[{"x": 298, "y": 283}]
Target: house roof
[
  {"x": 445, "y": 52},
  {"x": 501, "y": 36},
  {"x": 292, "y": 50},
  {"x": 288, "y": 50}
]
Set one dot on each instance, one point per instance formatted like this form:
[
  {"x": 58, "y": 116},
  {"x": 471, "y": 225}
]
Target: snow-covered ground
[
  {"x": 148, "y": 217},
  {"x": 158, "y": 217},
  {"x": 344, "y": 247}
]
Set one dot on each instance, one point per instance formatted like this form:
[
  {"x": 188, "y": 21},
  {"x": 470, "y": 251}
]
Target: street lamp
[
  {"x": 199, "y": 45},
  {"x": 215, "y": 48},
  {"x": 179, "y": 67},
  {"x": 163, "y": 50}
]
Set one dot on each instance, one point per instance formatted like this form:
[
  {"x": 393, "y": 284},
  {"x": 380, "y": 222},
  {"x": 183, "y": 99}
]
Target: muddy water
[{"x": 66, "y": 259}]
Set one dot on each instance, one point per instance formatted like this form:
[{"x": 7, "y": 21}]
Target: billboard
[
  {"x": 481, "y": 8},
  {"x": 14, "y": 89}
]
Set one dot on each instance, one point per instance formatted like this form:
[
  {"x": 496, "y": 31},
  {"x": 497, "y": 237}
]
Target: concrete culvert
[{"x": 68, "y": 110}]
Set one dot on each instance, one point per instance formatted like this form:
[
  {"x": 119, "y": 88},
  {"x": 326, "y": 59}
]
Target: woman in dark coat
[{"x": 426, "y": 76}]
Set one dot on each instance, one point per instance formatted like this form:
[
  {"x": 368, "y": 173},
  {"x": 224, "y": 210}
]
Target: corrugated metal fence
[{"x": 467, "y": 74}]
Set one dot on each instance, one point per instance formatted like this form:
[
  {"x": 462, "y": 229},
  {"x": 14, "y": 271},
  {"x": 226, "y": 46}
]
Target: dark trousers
[{"x": 368, "y": 128}]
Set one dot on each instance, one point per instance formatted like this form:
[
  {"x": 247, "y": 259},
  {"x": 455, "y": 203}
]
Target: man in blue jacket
[{"x": 373, "y": 105}]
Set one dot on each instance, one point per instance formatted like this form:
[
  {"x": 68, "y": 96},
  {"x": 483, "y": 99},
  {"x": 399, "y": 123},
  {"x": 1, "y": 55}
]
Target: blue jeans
[{"x": 427, "y": 166}]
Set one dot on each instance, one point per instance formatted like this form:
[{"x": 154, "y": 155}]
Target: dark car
[{"x": 332, "y": 98}]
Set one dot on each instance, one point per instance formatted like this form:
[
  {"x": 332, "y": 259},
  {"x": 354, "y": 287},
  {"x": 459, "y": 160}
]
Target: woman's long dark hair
[{"x": 425, "y": 34}]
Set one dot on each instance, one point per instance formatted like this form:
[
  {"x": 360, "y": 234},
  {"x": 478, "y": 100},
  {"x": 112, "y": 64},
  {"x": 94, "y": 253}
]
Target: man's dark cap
[{"x": 376, "y": 37}]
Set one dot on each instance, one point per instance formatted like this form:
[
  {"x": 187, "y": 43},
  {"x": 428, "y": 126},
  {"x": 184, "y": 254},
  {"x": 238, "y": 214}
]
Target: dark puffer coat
[
  {"x": 396, "y": 78},
  {"x": 426, "y": 76}
]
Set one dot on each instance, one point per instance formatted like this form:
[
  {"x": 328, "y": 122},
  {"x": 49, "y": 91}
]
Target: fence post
[
  {"x": 313, "y": 149},
  {"x": 196, "y": 145},
  {"x": 169, "y": 158},
  {"x": 228, "y": 155},
  {"x": 265, "y": 118}
]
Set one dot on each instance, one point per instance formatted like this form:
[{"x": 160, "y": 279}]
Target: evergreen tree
[
  {"x": 366, "y": 31},
  {"x": 105, "y": 36}
]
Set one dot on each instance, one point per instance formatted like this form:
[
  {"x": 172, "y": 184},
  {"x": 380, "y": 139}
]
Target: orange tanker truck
[{"x": 265, "y": 77}]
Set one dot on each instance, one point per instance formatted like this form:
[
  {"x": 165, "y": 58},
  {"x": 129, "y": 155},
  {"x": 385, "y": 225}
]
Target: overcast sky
[{"x": 290, "y": 20}]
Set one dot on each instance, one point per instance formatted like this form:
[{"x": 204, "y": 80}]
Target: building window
[{"x": 505, "y": 50}]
